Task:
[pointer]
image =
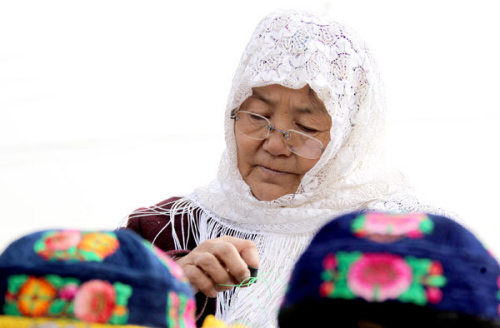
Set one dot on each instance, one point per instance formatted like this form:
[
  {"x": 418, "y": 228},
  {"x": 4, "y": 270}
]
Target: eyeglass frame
[{"x": 270, "y": 127}]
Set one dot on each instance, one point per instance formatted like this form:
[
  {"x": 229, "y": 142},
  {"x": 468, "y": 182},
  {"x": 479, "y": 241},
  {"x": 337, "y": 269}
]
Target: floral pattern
[
  {"x": 98, "y": 245},
  {"x": 53, "y": 296},
  {"x": 498, "y": 294},
  {"x": 34, "y": 296},
  {"x": 76, "y": 245},
  {"x": 383, "y": 227},
  {"x": 95, "y": 301},
  {"x": 377, "y": 277},
  {"x": 180, "y": 311}
]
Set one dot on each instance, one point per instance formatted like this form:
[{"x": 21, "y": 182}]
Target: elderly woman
[{"x": 303, "y": 129}]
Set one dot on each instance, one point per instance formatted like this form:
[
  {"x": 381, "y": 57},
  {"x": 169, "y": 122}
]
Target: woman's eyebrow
[
  {"x": 259, "y": 96},
  {"x": 315, "y": 106},
  {"x": 307, "y": 110}
]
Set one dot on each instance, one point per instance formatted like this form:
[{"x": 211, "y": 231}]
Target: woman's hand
[{"x": 219, "y": 262}]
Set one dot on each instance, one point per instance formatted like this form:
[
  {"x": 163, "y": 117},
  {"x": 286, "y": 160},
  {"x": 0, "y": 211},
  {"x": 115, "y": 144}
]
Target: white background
[{"x": 106, "y": 106}]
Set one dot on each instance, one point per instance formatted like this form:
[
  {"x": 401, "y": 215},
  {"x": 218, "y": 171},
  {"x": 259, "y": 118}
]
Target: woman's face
[{"x": 268, "y": 166}]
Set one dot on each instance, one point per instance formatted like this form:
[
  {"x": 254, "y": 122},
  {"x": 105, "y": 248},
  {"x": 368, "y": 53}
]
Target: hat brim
[
  {"x": 361, "y": 314},
  {"x": 23, "y": 322}
]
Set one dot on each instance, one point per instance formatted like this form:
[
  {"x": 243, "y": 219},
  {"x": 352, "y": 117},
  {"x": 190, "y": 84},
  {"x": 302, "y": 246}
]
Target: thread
[{"x": 263, "y": 279}]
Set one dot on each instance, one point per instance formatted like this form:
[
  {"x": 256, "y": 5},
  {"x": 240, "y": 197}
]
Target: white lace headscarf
[{"x": 294, "y": 49}]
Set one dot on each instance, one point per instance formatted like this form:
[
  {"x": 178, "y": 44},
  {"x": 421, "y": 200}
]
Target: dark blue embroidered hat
[
  {"x": 382, "y": 270},
  {"x": 71, "y": 278}
]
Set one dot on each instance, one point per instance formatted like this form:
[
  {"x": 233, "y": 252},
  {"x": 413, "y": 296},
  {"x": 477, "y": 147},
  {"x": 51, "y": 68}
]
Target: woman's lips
[{"x": 271, "y": 171}]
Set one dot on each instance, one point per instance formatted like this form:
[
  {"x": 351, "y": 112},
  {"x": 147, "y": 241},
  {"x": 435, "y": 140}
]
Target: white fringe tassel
[{"x": 257, "y": 305}]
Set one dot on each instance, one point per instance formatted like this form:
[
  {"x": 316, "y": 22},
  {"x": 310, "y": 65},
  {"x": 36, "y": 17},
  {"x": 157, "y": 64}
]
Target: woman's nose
[{"x": 275, "y": 144}]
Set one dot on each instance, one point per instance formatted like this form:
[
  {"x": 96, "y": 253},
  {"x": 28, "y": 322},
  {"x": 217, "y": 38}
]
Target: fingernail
[{"x": 246, "y": 276}]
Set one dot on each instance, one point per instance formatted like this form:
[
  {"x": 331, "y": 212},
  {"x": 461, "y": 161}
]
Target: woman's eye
[
  {"x": 306, "y": 129},
  {"x": 257, "y": 117}
]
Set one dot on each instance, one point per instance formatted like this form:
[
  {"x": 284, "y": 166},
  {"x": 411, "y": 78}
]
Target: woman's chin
[{"x": 268, "y": 193}]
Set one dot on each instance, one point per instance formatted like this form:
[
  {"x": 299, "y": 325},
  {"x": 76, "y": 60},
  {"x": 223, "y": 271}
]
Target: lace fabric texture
[{"x": 294, "y": 49}]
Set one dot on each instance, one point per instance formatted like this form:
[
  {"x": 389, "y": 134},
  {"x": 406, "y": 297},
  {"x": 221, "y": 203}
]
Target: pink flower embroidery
[
  {"x": 329, "y": 275},
  {"x": 330, "y": 262},
  {"x": 498, "y": 294},
  {"x": 63, "y": 240},
  {"x": 58, "y": 244},
  {"x": 395, "y": 224},
  {"x": 434, "y": 295},
  {"x": 95, "y": 301},
  {"x": 76, "y": 245},
  {"x": 377, "y": 277},
  {"x": 181, "y": 311},
  {"x": 190, "y": 314},
  {"x": 68, "y": 291},
  {"x": 173, "y": 309}
]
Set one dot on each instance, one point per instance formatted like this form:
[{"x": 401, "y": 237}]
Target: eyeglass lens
[{"x": 257, "y": 127}]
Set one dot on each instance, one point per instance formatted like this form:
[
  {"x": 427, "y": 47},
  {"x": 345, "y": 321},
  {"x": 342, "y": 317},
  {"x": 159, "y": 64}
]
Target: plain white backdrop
[{"x": 106, "y": 106}]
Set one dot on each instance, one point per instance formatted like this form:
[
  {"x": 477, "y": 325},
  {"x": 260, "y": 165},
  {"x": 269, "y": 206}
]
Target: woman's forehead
[{"x": 305, "y": 98}]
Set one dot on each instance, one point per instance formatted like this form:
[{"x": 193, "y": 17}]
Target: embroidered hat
[
  {"x": 212, "y": 322},
  {"x": 70, "y": 278},
  {"x": 382, "y": 270}
]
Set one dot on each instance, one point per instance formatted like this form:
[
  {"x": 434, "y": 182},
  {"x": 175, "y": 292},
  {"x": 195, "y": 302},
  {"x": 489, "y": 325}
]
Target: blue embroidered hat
[
  {"x": 382, "y": 270},
  {"x": 70, "y": 278}
]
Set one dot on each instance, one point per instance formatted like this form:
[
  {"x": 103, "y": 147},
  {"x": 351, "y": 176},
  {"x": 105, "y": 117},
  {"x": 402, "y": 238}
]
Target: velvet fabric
[
  {"x": 101, "y": 277},
  {"x": 151, "y": 228},
  {"x": 394, "y": 270}
]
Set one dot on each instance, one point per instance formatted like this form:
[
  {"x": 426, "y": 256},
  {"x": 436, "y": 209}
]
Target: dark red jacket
[{"x": 149, "y": 226}]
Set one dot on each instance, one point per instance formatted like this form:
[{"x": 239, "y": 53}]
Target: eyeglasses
[{"x": 257, "y": 127}]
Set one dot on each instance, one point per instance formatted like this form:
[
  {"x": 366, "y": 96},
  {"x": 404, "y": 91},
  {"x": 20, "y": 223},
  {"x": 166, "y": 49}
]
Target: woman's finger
[
  {"x": 219, "y": 264},
  {"x": 200, "y": 281},
  {"x": 247, "y": 251},
  {"x": 211, "y": 266}
]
